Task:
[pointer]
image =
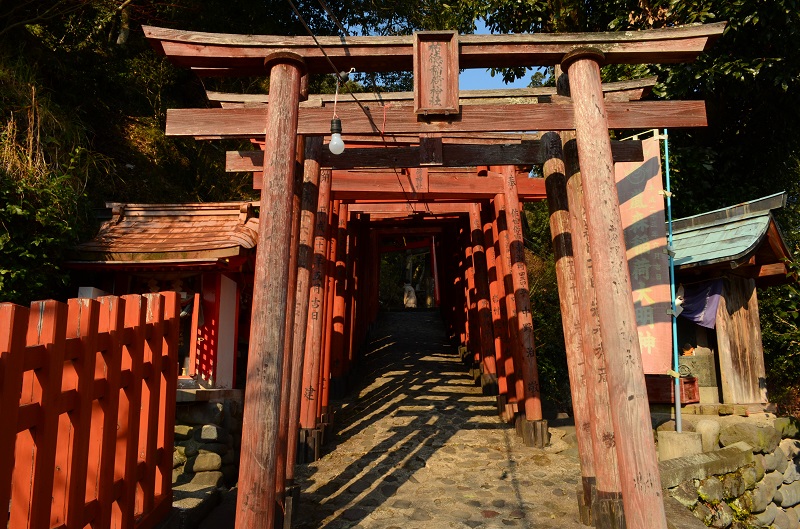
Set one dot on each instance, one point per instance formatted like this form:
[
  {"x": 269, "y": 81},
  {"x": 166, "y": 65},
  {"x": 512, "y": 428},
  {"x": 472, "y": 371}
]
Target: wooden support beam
[
  {"x": 410, "y": 208},
  {"x": 630, "y": 412},
  {"x": 286, "y": 369},
  {"x": 631, "y": 90},
  {"x": 312, "y": 190},
  {"x": 377, "y": 119},
  {"x": 449, "y": 155},
  {"x": 222, "y": 54},
  {"x": 513, "y": 363},
  {"x": 366, "y": 186},
  {"x": 338, "y": 352},
  {"x": 316, "y": 308},
  {"x": 327, "y": 335},
  {"x": 256, "y": 500},
  {"x": 484, "y": 310},
  {"x": 519, "y": 277},
  {"x": 570, "y": 298},
  {"x": 607, "y": 498},
  {"x": 496, "y": 297}
]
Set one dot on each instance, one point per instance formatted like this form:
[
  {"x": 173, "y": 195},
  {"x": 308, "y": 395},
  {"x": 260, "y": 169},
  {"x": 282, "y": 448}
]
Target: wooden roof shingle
[{"x": 164, "y": 233}]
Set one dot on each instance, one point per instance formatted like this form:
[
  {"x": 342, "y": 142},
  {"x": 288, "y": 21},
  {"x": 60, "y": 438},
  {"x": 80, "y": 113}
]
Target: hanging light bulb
[{"x": 336, "y": 145}]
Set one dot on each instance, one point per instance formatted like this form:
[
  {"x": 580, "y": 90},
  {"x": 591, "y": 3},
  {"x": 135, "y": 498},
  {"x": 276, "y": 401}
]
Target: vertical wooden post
[
  {"x": 337, "y": 338},
  {"x": 351, "y": 292},
  {"x": 638, "y": 464},
  {"x": 286, "y": 367},
  {"x": 519, "y": 278},
  {"x": 330, "y": 294},
  {"x": 496, "y": 295},
  {"x": 607, "y": 510},
  {"x": 256, "y": 499},
  {"x": 435, "y": 273},
  {"x": 483, "y": 304},
  {"x": 570, "y": 300},
  {"x": 311, "y": 190},
  {"x": 513, "y": 360},
  {"x": 316, "y": 308},
  {"x": 13, "y": 325},
  {"x": 112, "y": 314}
]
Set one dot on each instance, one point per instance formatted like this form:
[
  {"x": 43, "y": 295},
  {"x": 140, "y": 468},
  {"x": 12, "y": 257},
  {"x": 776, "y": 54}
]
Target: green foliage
[{"x": 780, "y": 331}]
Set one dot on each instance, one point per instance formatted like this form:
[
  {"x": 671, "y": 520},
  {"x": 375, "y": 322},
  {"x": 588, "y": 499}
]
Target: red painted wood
[
  {"x": 151, "y": 396},
  {"x": 112, "y": 460},
  {"x": 82, "y": 324},
  {"x": 256, "y": 498},
  {"x": 338, "y": 352},
  {"x": 596, "y": 381},
  {"x": 169, "y": 386},
  {"x": 243, "y": 54},
  {"x": 13, "y": 325},
  {"x": 281, "y": 462},
  {"x": 638, "y": 464},
  {"x": 130, "y": 414},
  {"x": 513, "y": 361},
  {"x": 351, "y": 289},
  {"x": 316, "y": 308},
  {"x": 496, "y": 295},
  {"x": 249, "y": 122},
  {"x": 484, "y": 309},
  {"x": 570, "y": 300},
  {"x": 473, "y": 329},
  {"x": 519, "y": 279},
  {"x": 311, "y": 191},
  {"x": 435, "y": 271},
  {"x": 46, "y": 327},
  {"x": 436, "y": 72},
  {"x": 330, "y": 295}
]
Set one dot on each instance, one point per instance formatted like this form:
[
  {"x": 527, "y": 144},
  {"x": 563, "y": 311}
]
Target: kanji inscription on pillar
[{"x": 436, "y": 72}]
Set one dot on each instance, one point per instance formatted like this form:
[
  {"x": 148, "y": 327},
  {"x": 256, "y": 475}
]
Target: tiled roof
[
  {"x": 732, "y": 234},
  {"x": 146, "y": 233}
]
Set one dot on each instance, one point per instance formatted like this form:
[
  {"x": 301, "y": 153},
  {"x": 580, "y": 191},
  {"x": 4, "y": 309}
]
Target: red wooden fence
[{"x": 87, "y": 401}]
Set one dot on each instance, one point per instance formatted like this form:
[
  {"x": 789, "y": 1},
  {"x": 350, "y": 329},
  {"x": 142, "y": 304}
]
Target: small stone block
[{"x": 673, "y": 444}]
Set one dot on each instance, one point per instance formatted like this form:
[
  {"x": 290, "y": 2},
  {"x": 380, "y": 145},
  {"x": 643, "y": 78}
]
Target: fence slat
[
  {"x": 112, "y": 314},
  {"x": 169, "y": 388},
  {"x": 83, "y": 321},
  {"x": 13, "y": 324},
  {"x": 135, "y": 324},
  {"x": 152, "y": 396},
  {"x": 47, "y": 326}
]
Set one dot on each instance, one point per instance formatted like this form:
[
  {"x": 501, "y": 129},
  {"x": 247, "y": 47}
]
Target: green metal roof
[{"x": 727, "y": 234}]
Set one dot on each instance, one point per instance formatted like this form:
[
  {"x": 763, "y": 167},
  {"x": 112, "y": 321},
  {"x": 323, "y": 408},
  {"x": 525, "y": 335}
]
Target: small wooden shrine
[{"x": 204, "y": 251}]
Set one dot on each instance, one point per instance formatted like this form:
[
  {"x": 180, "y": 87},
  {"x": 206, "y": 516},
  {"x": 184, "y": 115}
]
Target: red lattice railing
[{"x": 87, "y": 404}]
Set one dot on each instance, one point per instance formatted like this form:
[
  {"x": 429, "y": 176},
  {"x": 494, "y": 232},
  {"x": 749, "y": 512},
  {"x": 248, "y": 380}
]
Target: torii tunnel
[{"x": 449, "y": 170}]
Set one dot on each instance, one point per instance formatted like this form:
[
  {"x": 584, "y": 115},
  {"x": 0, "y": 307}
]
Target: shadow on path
[{"x": 418, "y": 446}]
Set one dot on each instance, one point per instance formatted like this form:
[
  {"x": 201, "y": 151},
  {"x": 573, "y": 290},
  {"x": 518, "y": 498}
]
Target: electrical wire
[{"x": 343, "y": 76}]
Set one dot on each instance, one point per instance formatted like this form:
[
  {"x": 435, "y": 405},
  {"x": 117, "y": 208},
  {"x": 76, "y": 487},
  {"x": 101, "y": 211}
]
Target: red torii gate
[{"x": 437, "y": 112}]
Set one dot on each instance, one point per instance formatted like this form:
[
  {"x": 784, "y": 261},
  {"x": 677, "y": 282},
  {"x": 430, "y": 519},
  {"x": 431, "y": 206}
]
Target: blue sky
[{"x": 481, "y": 79}]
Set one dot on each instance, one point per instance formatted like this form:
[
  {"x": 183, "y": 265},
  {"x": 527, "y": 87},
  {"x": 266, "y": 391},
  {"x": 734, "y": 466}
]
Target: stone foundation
[
  {"x": 750, "y": 477},
  {"x": 205, "y": 460}
]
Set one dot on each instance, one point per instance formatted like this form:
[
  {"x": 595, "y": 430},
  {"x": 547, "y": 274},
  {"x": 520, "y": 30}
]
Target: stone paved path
[{"x": 419, "y": 447}]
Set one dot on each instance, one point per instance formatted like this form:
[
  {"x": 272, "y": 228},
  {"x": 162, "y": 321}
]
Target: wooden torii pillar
[
  {"x": 256, "y": 500},
  {"x": 630, "y": 412}
]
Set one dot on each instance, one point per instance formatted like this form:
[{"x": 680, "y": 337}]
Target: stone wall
[
  {"x": 205, "y": 459},
  {"x": 747, "y": 476}
]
